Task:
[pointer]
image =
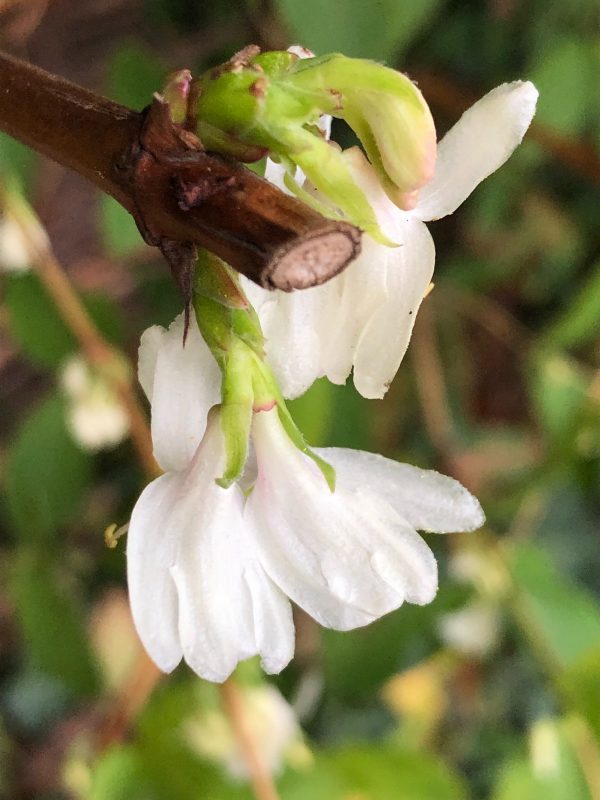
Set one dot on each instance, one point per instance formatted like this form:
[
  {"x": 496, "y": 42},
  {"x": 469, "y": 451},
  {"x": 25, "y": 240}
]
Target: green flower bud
[{"x": 274, "y": 100}]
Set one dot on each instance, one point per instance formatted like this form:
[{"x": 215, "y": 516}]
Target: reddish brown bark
[{"x": 176, "y": 192}]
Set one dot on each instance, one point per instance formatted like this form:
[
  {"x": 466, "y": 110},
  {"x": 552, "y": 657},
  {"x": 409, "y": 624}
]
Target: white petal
[
  {"x": 192, "y": 553},
  {"x": 150, "y": 343},
  {"x": 295, "y": 326},
  {"x": 229, "y": 609},
  {"x": 359, "y": 291},
  {"x": 186, "y": 384},
  {"x": 385, "y": 336},
  {"x": 275, "y": 173},
  {"x": 346, "y": 557},
  {"x": 150, "y": 553},
  {"x": 427, "y": 500},
  {"x": 480, "y": 142}
]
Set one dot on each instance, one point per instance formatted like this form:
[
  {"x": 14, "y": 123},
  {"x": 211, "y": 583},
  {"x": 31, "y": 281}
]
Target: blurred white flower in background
[
  {"x": 95, "y": 415},
  {"x": 544, "y": 749},
  {"x": 271, "y": 722},
  {"x": 14, "y": 251},
  {"x": 473, "y": 630}
]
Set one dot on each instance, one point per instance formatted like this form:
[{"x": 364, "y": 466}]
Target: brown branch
[{"x": 270, "y": 237}]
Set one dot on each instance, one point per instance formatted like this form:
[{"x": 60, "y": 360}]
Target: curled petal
[
  {"x": 480, "y": 142},
  {"x": 185, "y": 385},
  {"x": 427, "y": 500},
  {"x": 346, "y": 557},
  {"x": 385, "y": 336}
]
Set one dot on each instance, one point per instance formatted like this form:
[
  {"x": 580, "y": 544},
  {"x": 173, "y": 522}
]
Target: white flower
[
  {"x": 473, "y": 629},
  {"x": 196, "y": 586},
  {"x": 14, "y": 252},
  {"x": 210, "y": 568},
  {"x": 95, "y": 415},
  {"x": 348, "y": 557},
  {"x": 363, "y": 319},
  {"x": 271, "y": 721}
]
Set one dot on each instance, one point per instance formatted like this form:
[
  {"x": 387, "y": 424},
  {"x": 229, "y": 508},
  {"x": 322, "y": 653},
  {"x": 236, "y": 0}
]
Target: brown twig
[
  {"x": 270, "y": 237},
  {"x": 233, "y": 705}
]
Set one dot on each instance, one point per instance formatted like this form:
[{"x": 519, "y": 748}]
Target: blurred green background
[{"x": 492, "y": 691}]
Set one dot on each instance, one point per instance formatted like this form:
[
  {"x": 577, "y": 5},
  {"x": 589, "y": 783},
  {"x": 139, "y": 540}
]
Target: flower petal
[
  {"x": 186, "y": 384},
  {"x": 150, "y": 553},
  {"x": 191, "y": 551},
  {"x": 385, "y": 336},
  {"x": 480, "y": 142},
  {"x": 346, "y": 557},
  {"x": 150, "y": 344},
  {"x": 359, "y": 292},
  {"x": 229, "y": 610},
  {"x": 427, "y": 500},
  {"x": 295, "y": 326}
]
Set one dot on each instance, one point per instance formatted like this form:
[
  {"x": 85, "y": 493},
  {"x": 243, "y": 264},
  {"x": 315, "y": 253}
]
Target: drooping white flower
[
  {"x": 210, "y": 568},
  {"x": 349, "y": 556},
  {"x": 270, "y": 719},
  {"x": 96, "y": 417},
  {"x": 363, "y": 318},
  {"x": 196, "y": 585}
]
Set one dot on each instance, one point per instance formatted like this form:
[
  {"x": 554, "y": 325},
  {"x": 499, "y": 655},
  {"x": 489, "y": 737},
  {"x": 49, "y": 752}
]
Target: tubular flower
[
  {"x": 210, "y": 568},
  {"x": 196, "y": 585},
  {"x": 363, "y": 318}
]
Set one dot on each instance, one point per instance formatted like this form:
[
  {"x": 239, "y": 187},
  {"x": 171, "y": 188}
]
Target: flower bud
[{"x": 275, "y": 100}]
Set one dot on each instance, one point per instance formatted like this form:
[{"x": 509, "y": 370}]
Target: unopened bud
[{"x": 274, "y": 100}]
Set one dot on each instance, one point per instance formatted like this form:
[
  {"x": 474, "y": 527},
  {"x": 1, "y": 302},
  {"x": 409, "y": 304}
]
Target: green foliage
[
  {"x": 383, "y": 773},
  {"x": 56, "y": 642},
  {"x": 119, "y": 231},
  {"x": 557, "y": 777},
  {"x": 577, "y": 323},
  {"x": 560, "y": 617},
  {"x": 380, "y": 30},
  {"x": 46, "y": 474},
  {"x": 515, "y": 331},
  {"x": 37, "y": 327}
]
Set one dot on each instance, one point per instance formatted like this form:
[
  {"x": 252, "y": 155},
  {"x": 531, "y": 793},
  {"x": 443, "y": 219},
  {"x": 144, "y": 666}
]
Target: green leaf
[
  {"x": 565, "y": 79},
  {"x": 357, "y": 662},
  {"x": 46, "y": 473},
  {"x": 39, "y": 330},
  {"x": 313, "y": 411},
  {"x": 580, "y": 685},
  {"x": 381, "y": 30},
  {"x": 119, "y": 232},
  {"x": 559, "y": 617},
  {"x": 120, "y": 775},
  {"x": 35, "y": 323},
  {"x": 53, "y": 632},
  {"x": 134, "y": 74},
  {"x": 562, "y": 780},
  {"x": 558, "y": 389},
  {"x": 578, "y": 321},
  {"x": 16, "y": 159},
  {"x": 374, "y": 772}
]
